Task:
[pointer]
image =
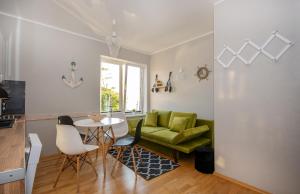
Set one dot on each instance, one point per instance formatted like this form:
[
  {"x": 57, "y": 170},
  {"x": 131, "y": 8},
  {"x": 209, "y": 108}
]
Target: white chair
[
  {"x": 33, "y": 156},
  {"x": 119, "y": 130},
  {"x": 69, "y": 143}
]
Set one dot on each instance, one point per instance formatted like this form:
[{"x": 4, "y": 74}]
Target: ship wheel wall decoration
[{"x": 202, "y": 73}]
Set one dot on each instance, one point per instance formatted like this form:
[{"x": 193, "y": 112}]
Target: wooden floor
[{"x": 184, "y": 179}]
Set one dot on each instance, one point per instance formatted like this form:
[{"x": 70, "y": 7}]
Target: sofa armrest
[
  {"x": 209, "y": 134},
  {"x": 190, "y": 133}
]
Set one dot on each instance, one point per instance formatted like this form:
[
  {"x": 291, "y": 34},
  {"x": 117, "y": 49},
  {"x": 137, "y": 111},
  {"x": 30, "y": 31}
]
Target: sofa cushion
[
  {"x": 191, "y": 117},
  {"x": 163, "y": 118},
  {"x": 151, "y": 119},
  {"x": 179, "y": 124},
  {"x": 146, "y": 130},
  {"x": 166, "y": 136}
]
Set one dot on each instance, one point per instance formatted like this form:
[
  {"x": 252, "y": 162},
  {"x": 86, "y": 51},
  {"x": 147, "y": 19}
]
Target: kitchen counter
[{"x": 12, "y": 154}]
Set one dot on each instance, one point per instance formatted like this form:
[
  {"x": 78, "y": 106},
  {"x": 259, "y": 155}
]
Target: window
[
  {"x": 110, "y": 86},
  {"x": 133, "y": 88},
  {"x": 122, "y": 83}
]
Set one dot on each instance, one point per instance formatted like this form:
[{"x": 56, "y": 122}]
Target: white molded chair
[
  {"x": 120, "y": 130},
  {"x": 33, "y": 152},
  {"x": 69, "y": 143}
]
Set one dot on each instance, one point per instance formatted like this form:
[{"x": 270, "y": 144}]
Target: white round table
[
  {"x": 103, "y": 123},
  {"x": 99, "y": 129}
]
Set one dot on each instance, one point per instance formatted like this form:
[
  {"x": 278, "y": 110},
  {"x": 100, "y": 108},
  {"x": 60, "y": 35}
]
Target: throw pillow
[
  {"x": 192, "y": 118},
  {"x": 151, "y": 119},
  {"x": 179, "y": 124},
  {"x": 163, "y": 118}
]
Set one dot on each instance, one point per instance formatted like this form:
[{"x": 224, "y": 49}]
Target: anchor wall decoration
[{"x": 72, "y": 82}]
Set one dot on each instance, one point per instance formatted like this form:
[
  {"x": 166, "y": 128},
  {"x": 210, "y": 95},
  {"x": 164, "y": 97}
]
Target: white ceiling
[{"x": 147, "y": 26}]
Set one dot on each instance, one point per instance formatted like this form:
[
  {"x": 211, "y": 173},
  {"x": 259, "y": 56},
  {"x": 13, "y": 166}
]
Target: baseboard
[{"x": 240, "y": 183}]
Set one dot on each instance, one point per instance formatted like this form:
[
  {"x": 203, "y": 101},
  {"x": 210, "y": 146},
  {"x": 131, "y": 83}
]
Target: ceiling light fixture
[{"x": 113, "y": 42}]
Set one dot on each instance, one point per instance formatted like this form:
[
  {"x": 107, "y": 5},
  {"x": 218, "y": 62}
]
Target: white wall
[
  {"x": 40, "y": 56},
  {"x": 257, "y": 107},
  {"x": 189, "y": 94}
]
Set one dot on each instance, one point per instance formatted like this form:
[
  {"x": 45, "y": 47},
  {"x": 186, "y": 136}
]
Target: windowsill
[
  {"x": 138, "y": 114},
  {"x": 129, "y": 114}
]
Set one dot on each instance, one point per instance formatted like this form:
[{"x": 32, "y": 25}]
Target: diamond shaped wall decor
[{"x": 260, "y": 50}]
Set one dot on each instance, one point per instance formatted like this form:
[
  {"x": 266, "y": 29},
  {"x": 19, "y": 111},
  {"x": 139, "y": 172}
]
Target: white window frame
[
  {"x": 142, "y": 69},
  {"x": 120, "y": 86},
  {"x": 123, "y": 67}
]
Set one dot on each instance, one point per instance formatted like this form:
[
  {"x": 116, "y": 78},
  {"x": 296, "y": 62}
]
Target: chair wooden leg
[
  {"x": 83, "y": 158},
  {"x": 60, "y": 171},
  {"x": 98, "y": 139},
  {"x": 59, "y": 158},
  {"x": 109, "y": 146},
  {"x": 70, "y": 161},
  {"x": 78, "y": 169},
  {"x": 115, "y": 162},
  {"x": 92, "y": 164},
  {"x": 113, "y": 135},
  {"x": 103, "y": 151},
  {"x": 86, "y": 135},
  {"x": 122, "y": 153},
  {"x": 133, "y": 160},
  {"x": 138, "y": 153},
  {"x": 119, "y": 153}
]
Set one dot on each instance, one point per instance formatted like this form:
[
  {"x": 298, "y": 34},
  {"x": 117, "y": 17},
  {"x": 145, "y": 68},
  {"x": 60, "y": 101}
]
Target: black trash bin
[{"x": 204, "y": 160}]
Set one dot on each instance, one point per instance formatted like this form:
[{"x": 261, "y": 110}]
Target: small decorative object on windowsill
[
  {"x": 96, "y": 117},
  {"x": 72, "y": 81},
  {"x": 133, "y": 111},
  {"x": 202, "y": 73}
]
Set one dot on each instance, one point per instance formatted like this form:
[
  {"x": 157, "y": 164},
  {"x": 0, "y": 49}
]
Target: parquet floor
[{"x": 185, "y": 179}]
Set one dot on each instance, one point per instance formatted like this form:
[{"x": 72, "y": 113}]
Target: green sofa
[{"x": 198, "y": 132}]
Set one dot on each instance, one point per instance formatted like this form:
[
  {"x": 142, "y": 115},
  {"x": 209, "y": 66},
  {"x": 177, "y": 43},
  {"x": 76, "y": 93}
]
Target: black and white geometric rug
[{"x": 152, "y": 166}]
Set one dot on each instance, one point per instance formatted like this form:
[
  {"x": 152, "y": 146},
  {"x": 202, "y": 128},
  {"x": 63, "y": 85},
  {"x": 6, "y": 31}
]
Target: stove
[
  {"x": 8, "y": 117},
  {"x": 7, "y": 121},
  {"x": 6, "y": 124}
]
